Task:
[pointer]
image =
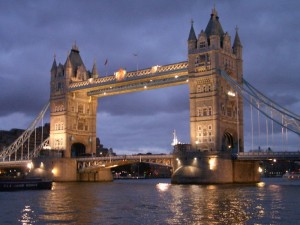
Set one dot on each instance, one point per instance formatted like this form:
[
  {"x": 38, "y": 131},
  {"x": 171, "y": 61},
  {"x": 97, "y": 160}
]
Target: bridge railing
[
  {"x": 132, "y": 74},
  {"x": 90, "y": 163},
  {"x": 267, "y": 155}
]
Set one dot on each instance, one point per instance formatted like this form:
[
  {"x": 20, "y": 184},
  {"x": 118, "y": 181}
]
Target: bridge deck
[{"x": 146, "y": 79}]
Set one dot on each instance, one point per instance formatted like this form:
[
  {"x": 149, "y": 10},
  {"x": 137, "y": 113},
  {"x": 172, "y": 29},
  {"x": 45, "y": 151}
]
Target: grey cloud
[{"x": 32, "y": 31}]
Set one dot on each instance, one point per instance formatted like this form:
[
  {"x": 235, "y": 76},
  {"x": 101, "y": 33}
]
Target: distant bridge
[{"x": 93, "y": 163}]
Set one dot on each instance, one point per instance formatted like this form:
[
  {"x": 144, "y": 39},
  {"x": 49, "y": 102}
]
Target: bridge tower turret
[
  {"x": 216, "y": 111},
  {"x": 72, "y": 114}
]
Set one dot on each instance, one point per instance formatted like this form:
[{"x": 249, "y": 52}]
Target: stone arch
[
  {"x": 77, "y": 149},
  {"x": 227, "y": 141}
]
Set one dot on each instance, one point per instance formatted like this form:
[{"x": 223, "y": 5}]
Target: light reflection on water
[{"x": 154, "y": 202}]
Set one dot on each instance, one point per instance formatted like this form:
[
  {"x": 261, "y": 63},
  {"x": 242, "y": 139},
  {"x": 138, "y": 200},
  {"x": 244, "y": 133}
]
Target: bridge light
[
  {"x": 29, "y": 165},
  {"x": 176, "y": 77},
  {"x": 212, "y": 163},
  {"x": 231, "y": 93},
  {"x": 187, "y": 80},
  {"x": 260, "y": 169},
  {"x": 274, "y": 160},
  {"x": 54, "y": 171},
  {"x": 145, "y": 87}
]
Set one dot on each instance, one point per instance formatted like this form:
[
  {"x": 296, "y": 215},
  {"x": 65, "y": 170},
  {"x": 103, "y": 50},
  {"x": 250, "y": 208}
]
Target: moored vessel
[
  {"x": 291, "y": 175},
  {"x": 17, "y": 184}
]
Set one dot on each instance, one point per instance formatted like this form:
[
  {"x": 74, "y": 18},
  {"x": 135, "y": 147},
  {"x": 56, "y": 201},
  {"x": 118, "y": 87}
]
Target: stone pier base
[
  {"x": 65, "y": 169},
  {"x": 212, "y": 168},
  {"x": 102, "y": 174}
]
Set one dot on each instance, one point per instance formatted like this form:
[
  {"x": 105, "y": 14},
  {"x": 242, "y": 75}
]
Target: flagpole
[
  {"x": 105, "y": 64},
  {"x": 137, "y": 62}
]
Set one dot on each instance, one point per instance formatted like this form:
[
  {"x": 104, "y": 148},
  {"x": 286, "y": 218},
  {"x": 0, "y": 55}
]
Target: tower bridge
[{"x": 217, "y": 90}]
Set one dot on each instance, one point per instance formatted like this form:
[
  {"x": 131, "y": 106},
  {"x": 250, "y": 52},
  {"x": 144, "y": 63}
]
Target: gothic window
[
  {"x": 80, "y": 108},
  {"x": 204, "y": 88},
  {"x": 202, "y": 44},
  {"x": 209, "y": 88},
  {"x": 204, "y": 132},
  {"x": 229, "y": 112},
  {"x": 205, "y": 112},
  {"x": 209, "y": 111},
  {"x": 199, "y": 112},
  {"x": 210, "y": 127},
  {"x": 199, "y": 88},
  {"x": 199, "y": 128},
  {"x": 80, "y": 125},
  {"x": 223, "y": 110}
]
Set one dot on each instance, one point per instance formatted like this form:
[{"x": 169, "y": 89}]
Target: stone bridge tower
[
  {"x": 216, "y": 111},
  {"x": 72, "y": 114}
]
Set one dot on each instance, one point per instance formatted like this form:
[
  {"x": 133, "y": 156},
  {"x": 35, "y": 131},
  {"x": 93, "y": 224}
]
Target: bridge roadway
[{"x": 90, "y": 163}]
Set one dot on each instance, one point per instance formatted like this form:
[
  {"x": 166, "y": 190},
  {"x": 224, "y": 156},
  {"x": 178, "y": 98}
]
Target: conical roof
[
  {"x": 192, "y": 35},
  {"x": 54, "y": 65},
  {"x": 75, "y": 58},
  {"x": 237, "y": 41},
  {"x": 214, "y": 26}
]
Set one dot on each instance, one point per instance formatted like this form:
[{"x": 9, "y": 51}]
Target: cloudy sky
[{"x": 31, "y": 32}]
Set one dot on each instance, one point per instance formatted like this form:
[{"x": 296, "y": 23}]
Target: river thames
[{"x": 156, "y": 201}]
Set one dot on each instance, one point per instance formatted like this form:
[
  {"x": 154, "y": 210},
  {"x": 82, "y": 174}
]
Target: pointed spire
[
  {"x": 54, "y": 66},
  {"x": 237, "y": 41},
  {"x": 175, "y": 140},
  {"x": 94, "y": 70},
  {"x": 192, "y": 35}
]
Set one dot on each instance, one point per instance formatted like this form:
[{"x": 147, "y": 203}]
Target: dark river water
[{"x": 273, "y": 201}]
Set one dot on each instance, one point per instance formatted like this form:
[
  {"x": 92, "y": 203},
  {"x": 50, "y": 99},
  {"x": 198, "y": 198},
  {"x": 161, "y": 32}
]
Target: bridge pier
[
  {"x": 102, "y": 175},
  {"x": 197, "y": 167},
  {"x": 65, "y": 169}
]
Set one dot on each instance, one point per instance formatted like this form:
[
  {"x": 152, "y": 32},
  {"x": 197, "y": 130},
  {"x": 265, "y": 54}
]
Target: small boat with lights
[
  {"x": 291, "y": 176},
  {"x": 18, "y": 184}
]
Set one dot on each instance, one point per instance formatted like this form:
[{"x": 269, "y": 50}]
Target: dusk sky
[{"x": 32, "y": 32}]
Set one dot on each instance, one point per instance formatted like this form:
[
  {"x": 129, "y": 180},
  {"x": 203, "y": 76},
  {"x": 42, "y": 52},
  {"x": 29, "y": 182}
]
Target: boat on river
[
  {"x": 18, "y": 184},
  {"x": 291, "y": 175}
]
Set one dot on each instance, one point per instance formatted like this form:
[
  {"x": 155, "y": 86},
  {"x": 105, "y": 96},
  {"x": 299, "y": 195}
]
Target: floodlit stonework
[{"x": 216, "y": 112}]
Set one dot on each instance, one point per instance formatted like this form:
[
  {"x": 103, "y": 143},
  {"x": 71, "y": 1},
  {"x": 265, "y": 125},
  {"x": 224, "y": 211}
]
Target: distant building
[
  {"x": 102, "y": 151},
  {"x": 36, "y": 138}
]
